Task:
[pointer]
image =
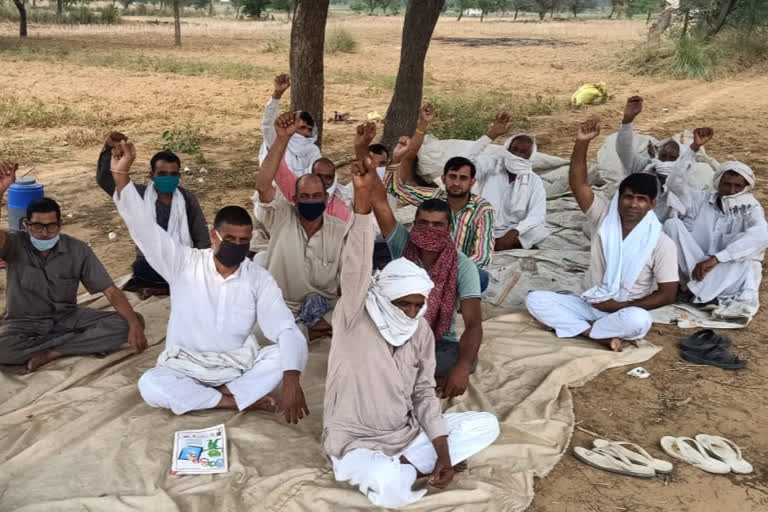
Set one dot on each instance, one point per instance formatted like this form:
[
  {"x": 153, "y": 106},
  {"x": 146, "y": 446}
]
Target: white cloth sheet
[
  {"x": 172, "y": 389},
  {"x": 570, "y": 315},
  {"x": 388, "y": 483},
  {"x": 301, "y": 151},
  {"x": 178, "y": 226},
  {"x": 208, "y": 312},
  {"x": 624, "y": 257}
]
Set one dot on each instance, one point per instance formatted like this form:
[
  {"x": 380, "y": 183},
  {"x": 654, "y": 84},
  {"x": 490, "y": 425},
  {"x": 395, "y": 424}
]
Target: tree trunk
[
  {"x": 176, "y": 23},
  {"x": 59, "y": 9},
  {"x": 541, "y": 15},
  {"x": 306, "y": 60},
  {"x": 725, "y": 9},
  {"x": 552, "y": 12},
  {"x": 210, "y": 7},
  {"x": 482, "y": 16},
  {"x": 461, "y": 13},
  {"x": 685, "y": 23},
  {"x": 420, "y": 20},
  {"x": 648, "y": 19},
  {"x": 22, "y": 17},
  {"x": 516, "y": 11},
  {"x": 613, "y": 11}
]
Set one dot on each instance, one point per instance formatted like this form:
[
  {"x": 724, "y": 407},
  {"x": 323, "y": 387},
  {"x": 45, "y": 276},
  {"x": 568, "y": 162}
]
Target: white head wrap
[
  {"x": 399, "y": 278},
  {"x": 515, "y": 164},
  {"x": 684, "y": 160},
  {"x": 513, "y": 198},
  {"x": 743, "y": 198}
]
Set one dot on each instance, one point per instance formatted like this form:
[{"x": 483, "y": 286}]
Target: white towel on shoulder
[
  {"x": 624, "y": 257},
  {"x": 178, "y": 226}
]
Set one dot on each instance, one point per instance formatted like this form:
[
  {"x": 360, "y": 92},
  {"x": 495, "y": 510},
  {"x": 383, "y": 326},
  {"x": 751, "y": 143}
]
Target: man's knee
[
  {"x": 151, "y": 390},
  {"x": 637, "y": 322},
  {"x": 539, "y": 301}
]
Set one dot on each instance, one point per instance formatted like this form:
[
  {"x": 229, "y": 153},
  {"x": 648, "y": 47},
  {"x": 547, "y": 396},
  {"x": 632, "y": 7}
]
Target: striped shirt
[{"x": 471, "y": 226}]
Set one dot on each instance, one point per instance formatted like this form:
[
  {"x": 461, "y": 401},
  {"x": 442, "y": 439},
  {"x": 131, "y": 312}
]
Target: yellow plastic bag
[{"x": 588, "y": 94}]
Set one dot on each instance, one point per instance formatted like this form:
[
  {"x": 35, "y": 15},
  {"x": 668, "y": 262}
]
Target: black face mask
[
  {"x": 231, "y": 254},
  {"x": 310, "y": 210}
]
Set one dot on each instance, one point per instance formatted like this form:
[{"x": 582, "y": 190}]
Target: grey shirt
[
  {"x": 198, "y": 227},
  {"x": 42, "y": 288}
]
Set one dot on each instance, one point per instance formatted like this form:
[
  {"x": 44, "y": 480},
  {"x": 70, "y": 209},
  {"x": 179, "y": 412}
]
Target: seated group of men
[{"x": 339, "y": 264}]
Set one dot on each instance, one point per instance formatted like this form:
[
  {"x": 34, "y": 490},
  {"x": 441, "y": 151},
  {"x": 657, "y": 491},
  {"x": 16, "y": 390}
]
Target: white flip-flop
[
  {"x": 638, "y": 455},
  {"x": 690, "y": 451},
  {"x": 610, "y": 459},
  {"x": 727, "y": 451}
]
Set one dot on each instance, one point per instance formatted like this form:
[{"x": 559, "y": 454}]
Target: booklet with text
[{"x": 200, "y": 452}]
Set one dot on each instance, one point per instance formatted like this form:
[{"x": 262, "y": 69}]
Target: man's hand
[
  {"x": 609, "y": 306},
  {"x": 631, "y": 110},
  {"x": 457, "y": 382},
  {"x": 7, "y": 174},
  {"x": 282, "y": 83},
  {"x": 427, "y": 114},
  {"x": 293, "y": 405},
  {"x": 114, "y": 138},
  {"x": 443, "y": 473},
  {"x": 588, "y": 130},
  {"x": 702, "y": 268},
  {"x": 500, "y": 126},
  {"x": 285, "y": 125},
  {"x": 123, "y": 156},
  {"x": 364, "y": 135},
  {"x": 136, "y": 338},
  {"x": 701, "y": 136}
]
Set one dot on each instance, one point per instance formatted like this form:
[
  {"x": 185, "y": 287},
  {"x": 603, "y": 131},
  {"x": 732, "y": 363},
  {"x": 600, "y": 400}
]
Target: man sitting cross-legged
[
  {"x": 305, "y": 242},
  {"x": 721, "y": 254},
  {"x": 382, "y": 423},
  {"x": 633, "y": 265},
  {"x": 211, "y": 358},
  {"x": 457, "y": 283},
  {"x": 42, "y": 321},
  {"x": 174, "y": 208}
]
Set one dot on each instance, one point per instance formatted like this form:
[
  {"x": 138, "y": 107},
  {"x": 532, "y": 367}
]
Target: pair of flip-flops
[
  {"x": 622, "y": 458},
  {"x": 713, "y": 454},
  {"x": 708, "y": 347}
]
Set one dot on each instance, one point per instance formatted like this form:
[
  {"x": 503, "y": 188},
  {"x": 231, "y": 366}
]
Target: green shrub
[
  {"x": 186, "y": 139},
  {"x": 340, "y": 41},
  {"x": 693, "y": 59},
  {"x": 110, "y": 15},
  {"x": 275, "y": 45}
]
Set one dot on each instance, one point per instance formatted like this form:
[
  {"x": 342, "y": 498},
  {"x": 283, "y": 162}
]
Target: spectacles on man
[{"x": 39, "y": 228}]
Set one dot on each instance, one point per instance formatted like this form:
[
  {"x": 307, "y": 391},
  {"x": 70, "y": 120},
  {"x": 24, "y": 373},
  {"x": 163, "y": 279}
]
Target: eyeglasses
[{"x": 36, "y": 227}]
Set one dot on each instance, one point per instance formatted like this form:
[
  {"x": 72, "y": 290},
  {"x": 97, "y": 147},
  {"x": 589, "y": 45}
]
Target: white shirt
[
  {"x": 210, "y": 312},
  {"x": 299, "y": 163}
]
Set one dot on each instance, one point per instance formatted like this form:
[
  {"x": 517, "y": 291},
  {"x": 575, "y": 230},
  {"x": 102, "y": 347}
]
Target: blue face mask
[
  {"x": 43, "y": 245},
  {"x": 166, "y": 184}
]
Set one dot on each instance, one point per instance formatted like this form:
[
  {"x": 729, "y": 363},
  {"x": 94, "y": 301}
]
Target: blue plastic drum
[{"x": 20, "y": 194}]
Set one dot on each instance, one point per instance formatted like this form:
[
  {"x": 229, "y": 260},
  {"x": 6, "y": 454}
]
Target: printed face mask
[
  {"x": 310, "y": 210},
  {"x": 44, "y": 245},
  {"x": 166, "y": 184},
  {"x": 231, "y": 254}
]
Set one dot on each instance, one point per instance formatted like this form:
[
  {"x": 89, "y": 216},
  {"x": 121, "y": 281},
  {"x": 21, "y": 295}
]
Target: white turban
[
  {"x": 743, "y": 198},
  {"x": 399, "y": 278}
]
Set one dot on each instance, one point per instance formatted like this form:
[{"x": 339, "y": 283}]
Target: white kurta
[
  {"x": 299, "y": 163},
  {"x": 494, "y": 185},
  {"x": 210, "y": 313}
]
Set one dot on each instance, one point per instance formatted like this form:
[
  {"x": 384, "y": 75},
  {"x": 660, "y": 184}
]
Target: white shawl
[
  {"x": 211, "y": 368},
  {"x": 399, "y": 278},
  {"x": 624, "y": 257},
  {"x": 178, "y": 225},
  {"x": 511, "y": 200},
  {"x": 300, "y": 154}
]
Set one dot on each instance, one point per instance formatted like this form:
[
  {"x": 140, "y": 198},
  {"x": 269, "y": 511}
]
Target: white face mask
[
  {"x": 381, "y": 170},
  {"x": 516, "y": 165},
  {"x": 667, "y": 168}
]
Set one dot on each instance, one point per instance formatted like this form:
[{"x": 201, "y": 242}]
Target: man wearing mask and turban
[
  {"x": 301, "y": 151},
  {"x": 455, "y": 277},
  {"x": 174, "y": 208},
  {"x": 211, "y": 358},
  {"x": 382, "y": 421},
  {"x": 723, "y": 240},
  {"x": 305, "y": 242},
  {"x": 516, "y": 193},
  {"x": 673, "y": 159}
]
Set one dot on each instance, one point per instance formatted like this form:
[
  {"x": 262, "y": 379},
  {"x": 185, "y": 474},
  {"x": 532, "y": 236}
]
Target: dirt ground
[{"x": 678, "y": 399}]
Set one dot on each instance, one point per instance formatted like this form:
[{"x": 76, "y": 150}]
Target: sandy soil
[{"x": 678, "y": 399}]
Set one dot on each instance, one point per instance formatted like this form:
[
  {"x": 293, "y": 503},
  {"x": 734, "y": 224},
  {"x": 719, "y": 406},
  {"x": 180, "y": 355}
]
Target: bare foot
[
  {"x": 41, "y": 359},
  {"x": 615, "y": 344},
  {"x": 460, "y": 467},
  {"x": 266, "y": 403},
  {"x": 224, "y": 390}
]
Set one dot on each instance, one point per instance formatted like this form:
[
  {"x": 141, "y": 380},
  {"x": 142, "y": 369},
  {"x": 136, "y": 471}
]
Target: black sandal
[
  {"x": 704, "y": 340},
  {"x": 716, "y": 356}
]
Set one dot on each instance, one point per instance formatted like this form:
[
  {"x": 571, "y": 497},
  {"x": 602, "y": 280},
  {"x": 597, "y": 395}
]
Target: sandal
[
  {"x": 704, "y": 340},
  {"x": 638, "y": 455},
  {"x": 716, "y": 356},
  {"x": 610, "y": 459},
  {"x": 690, "y": 451},
  {"x": 727, "y": 451}
]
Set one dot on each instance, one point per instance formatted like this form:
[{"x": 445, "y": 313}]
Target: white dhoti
[
  {"x": 730, "y": 280},
  {"x": 171, "y": 389},
  {"x": 570, "y": 315},
  {"x": 388, "y": 483}
]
